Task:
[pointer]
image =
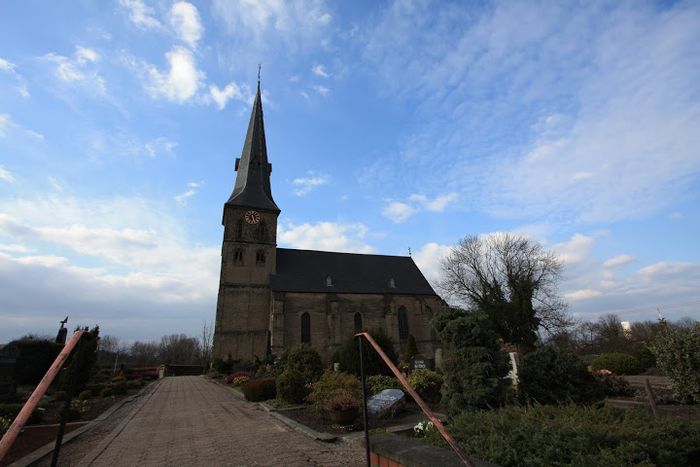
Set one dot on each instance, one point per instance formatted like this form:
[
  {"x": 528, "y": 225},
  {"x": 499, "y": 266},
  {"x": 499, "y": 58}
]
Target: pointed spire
[{"x": 252, "y": 188}]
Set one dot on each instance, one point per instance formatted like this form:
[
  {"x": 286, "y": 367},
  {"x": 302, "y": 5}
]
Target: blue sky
[{"x": 389, "y": 125}]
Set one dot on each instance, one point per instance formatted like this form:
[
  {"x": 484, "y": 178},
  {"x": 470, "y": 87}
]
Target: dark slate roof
[
  {"x": 252, "y": 188},
  {"x": 306, "y": 271}
]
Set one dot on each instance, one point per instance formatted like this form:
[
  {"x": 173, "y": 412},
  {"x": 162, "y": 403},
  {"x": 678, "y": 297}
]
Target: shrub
[
  {"x": 342, "y": 400},
  {"x": 223, "y": 367},
  {"x": 85, "y": 395},
  {"x": 120, "y": 388},
  {"x": 473, "y": 365},
  {"x": 555, "y": 376},
  {"x": 95, "y": 388},
  {"x": 135, "y": 384},
  {"x": 34, "y": 359},
  {"x": 59, "y": 396},
  {"x": 411, "y": 348},
  {"x": 348, "y": 355},
  {"x": 613, "y": 385},
  {"x": 259, "y": 390},
  {"x": 677, "y": 352},
  {"x": 240, "y": 380},
  {"x": 378, "y": 383},
  {"x": 10, "y": 411},
  {"x": 291, "y": 386},
  {"x": 304, "y": 359},
  {"x": 618, "y": 363},
  {"x": 427, "y": 384},
  {"x": 574, "y": 435},
  {"x": 229, "y": 379},
  {"x": 106, "y": 392},
  {"x": 213, "y": 374},
  {"x": 330, "y": 384}
]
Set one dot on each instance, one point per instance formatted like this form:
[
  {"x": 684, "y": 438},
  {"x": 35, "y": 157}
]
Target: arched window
[
  {"x": 260, "y": 257},
  {"x": 238, "y": 256},
  {"x": 358, "y": 322},
  {"x": 239, "y": 229},
  {"x": 403, "y": 324},
  {"x": 261, "y": 233},
  {"x": 329, "y": 281},
  {"x": 392, "y": 283},
  {"x": 306, "y": 328}
]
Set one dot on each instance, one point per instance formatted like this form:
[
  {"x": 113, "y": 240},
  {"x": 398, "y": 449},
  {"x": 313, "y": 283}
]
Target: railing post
[{"x": 364, "y": 401}]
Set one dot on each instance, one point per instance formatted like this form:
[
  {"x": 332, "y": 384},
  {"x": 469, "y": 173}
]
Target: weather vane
[{"x": 259, "y": 67}]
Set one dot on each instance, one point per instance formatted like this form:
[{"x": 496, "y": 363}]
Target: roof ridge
[{"x": 345, "y": 253}]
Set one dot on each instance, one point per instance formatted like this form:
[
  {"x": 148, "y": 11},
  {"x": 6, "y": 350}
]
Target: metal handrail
[
  {"x": 404, "y": 382},
  {"x": 21, "y": 419}
]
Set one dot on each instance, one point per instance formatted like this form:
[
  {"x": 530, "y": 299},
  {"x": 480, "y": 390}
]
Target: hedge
[{"x": 618, "y": 363}]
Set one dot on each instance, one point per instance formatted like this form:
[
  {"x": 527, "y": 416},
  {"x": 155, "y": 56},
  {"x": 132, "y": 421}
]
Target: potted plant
[{"x": 342, "y": 408}]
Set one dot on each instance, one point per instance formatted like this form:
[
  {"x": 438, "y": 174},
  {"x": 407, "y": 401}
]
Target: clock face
[{"x": 252, "y": 217}]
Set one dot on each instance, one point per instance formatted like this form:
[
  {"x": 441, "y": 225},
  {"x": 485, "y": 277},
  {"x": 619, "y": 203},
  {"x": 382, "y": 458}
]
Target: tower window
[
  {"x": 239, "y": 229},
  {"x": 329, "y": 281},
  {"x": 358, "y": 322},
  {"x": 261, "y": 232},
  {"x": 403, "y": 324},
  {"x": 392, "y": 283},
  {"x": 260, "y": 257},
  {"x": 238, "y": 256},
  {"x": 306, "y": 328}
]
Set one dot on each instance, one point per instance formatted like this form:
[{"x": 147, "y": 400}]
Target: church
[{"x": 274, "y": 298}]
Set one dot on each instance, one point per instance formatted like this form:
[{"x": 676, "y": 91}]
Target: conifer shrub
[
  {"x": 556, "y": 376},
  {"x": 330, "y": 384},
  {"x": 259, "y": 390},
  {"x": 303, "y": 359},
  {"x": 427, "y": 384},
  {"x": 35, "y": 356},
  {"x": 348, "y": 355},
  {"x": 291, "y": 386},
  {"x": 411, "y": 348},
  {"x": 677, "y": 352},
  {"x": 574, "y": 435},
  {"x": 618, "y": 363},
  {"x": 378, "y": 383}
]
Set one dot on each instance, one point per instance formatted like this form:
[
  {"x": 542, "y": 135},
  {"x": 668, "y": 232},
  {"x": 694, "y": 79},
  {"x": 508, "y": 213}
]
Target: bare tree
[
  {"x": 512, "y": 279},
  {"x": 144, "y": 353},
  {"x": 206, "y": 341},
  {"x": 180, "y": 349}
]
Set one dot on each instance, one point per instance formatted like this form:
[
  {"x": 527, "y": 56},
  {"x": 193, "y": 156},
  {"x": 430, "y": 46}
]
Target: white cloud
[
  {"x": 304, "y": 94},
  {"x": 6, "y": 65},
  {"x": 429, "y": 260},
  {"x": 79, "y": 69},
  {"x": 619, "y": 260},
  {"x": 184, "y": 18},
  {"x": 325, "y": 236},
  {"x": 14, "y": 248},
  {"x": 575, "y": 250},
  {"x": 160, "y": 145},
  {"x": 180, "y": 82},
  {"x": 5, "y": 174},
  {"x": 320, "y": 70},
  {"x": 140, "y": 14},
  {"x": 306, "y": 184},
  {"x": 322, "y": 90},
  {"x": 6, "y": 123},
  {"x": 230, "y": 91},
  {"x": 192, "y": 187},
  {"x": 399, "y": 212},
  {"x": 582, "y": 294}
]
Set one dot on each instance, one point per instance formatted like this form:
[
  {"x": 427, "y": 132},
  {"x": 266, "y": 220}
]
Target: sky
[{"x": 390, "y": 125}]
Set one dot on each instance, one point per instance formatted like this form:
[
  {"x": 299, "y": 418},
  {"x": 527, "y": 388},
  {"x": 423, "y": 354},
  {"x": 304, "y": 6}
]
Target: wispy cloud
[
  {"x": 230, "y": 91},
  {"x": 619, "y": 260},
  {"x": 141, "y": 14},
  {"x": 320, "y": 70},
  {"x": 398, "y": 211},
  {"x": 160, "y": 145},
  {"x": 322, "y": 90},
  {"x": 7, "y": 124},
  {"x": 6, "y": 175},
  {"x": 185, "y": 20},
  {"x": 192, "y": 188},
  {"x": 79, "y": 69},
  {"x": 306, "y": 184}
]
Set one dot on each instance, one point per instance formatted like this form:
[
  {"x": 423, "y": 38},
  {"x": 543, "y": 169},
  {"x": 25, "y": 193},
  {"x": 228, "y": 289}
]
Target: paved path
[{"x": 189, "y": 420}]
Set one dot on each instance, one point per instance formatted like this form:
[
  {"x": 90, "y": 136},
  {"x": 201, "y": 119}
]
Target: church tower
[{"x": 248, "y": 253}]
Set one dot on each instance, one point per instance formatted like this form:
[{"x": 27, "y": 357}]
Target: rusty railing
[
  {"x": 404, "y": 382},
  {"x": 21, "y": 419}
]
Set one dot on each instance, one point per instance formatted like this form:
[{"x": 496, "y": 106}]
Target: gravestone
[
  {"x": 388, "y": 401},
  {"x": 421, "y": 362}
]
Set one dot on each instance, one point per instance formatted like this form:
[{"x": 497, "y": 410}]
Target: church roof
[
  {"x": 252, "y": 188},
  {"x": 309, "y": 271}
]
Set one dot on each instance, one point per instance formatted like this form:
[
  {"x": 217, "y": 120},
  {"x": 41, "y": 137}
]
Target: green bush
[
  {"x": 332, "y": 383},
  {"x": 556, "y": 376},
  {"x": 618, "y": 363},
  {"x": 574, "y": 435},
  {"x": 10, "y": 411},
  {"x": 106, "y": 392},
  {"x": 613, "y": 385},
  {"x": 59, "y": 395},
  {"x": 411, "y": 348},
  {"x": 378, "y": 383},
  {"x": 223, "y": 367},
  {"x": 303, "y": 359},
  {"x": 95, "y": 388},
  {"x": 427, "y": 384},
  {"x": 120, "y": 388},
  {"x": 348, "y": 355},
  {"x": 85, "y": 395},
  {"x": 291, "y": 386},
  {"x": 259, "y": 390},
  {"x": 35, "y": 358},
  {"x": 473, "y": 366},
  {"x": 677, "y": 352}
]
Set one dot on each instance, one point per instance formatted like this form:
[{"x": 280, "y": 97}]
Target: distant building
[{"x": 274, "y": 298}]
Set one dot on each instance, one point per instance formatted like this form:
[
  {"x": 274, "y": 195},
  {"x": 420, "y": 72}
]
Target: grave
[{"x": 386, "y": 402}]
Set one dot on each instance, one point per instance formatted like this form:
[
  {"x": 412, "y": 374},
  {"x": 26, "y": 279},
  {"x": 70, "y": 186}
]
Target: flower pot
[{"x": 343, "y": 417}]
